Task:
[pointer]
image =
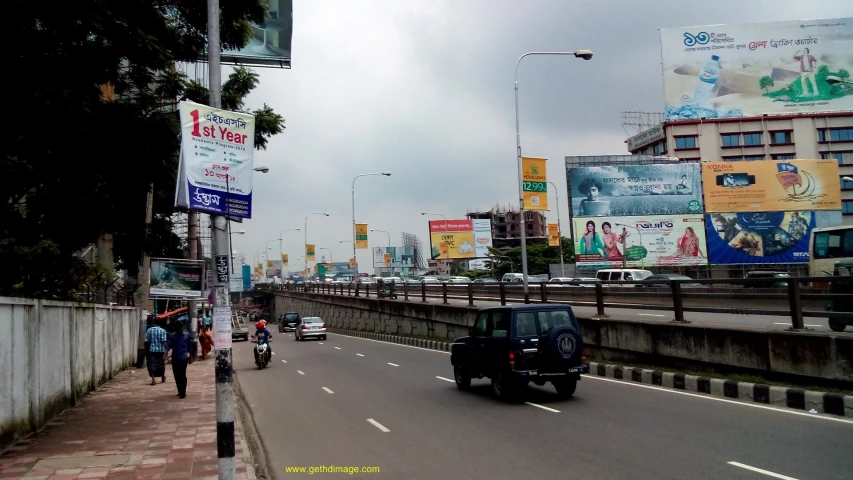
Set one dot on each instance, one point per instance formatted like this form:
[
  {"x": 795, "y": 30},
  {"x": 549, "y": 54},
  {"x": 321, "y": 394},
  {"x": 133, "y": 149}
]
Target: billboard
[
  {"x": 270, "y": 43},
  {"x": 176, "y": 278},
  {"x": 745, "y": 70},
  {"x": 361, "y": 235},
  {"x": 759, "y": 237},
  {"x": 378, "y": 257},
  {"x": 482, "y": 236},
  {"x": 553, "y": 235},
  {"x": 274, "y": 268},
  {"x": 652, "y": 241},
  {"x": 534, "y": 183},
  {"x": 771, "y": 186},
  {"x": 629, "y": 190},
  {"x": 396, "y": 257},
  {"x": 215, "y": 163}
]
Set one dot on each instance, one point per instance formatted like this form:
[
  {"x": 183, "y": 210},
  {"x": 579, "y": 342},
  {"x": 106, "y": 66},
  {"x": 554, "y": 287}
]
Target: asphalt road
[{"x": 355, "y": 402}]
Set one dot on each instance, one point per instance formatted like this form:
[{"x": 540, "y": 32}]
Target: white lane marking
[
  {"x": 378, "y": 425},
  {"x": 789, "y": 324},
  {"x": 765, "y": 472},
  {"x": 394, "y": 344},
  {"x": 284, "y": 361},
  {"x": 650, "y": 315},
  {"x": 543, "y": 407},
  {"x": 273, "y": 353},
  {"x": 360, "y": 355},
  {"x": 393, "y": 364},
  {"x": 445, "y": 379},
  {"x": 719, "y": 399},
  {"x": 320, "y": 343},
  {"x": 300, "y": 372},
  {"x": 327, "y": 390},
  {"x": 337, "y": 348}
]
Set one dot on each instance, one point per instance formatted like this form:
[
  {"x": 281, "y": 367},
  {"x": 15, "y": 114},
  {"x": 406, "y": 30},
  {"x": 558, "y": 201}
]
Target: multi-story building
[
  {"x": 778, "y": 137},
  {"x": 506, "y": 223}
]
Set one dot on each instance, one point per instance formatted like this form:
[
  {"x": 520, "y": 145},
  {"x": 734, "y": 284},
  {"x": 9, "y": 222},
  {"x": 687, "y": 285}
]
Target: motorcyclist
[{"x": 262, "y": 335}]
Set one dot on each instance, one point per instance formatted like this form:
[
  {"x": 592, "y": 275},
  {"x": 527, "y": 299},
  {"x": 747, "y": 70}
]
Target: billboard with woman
[{"x": 650, "y": 241}]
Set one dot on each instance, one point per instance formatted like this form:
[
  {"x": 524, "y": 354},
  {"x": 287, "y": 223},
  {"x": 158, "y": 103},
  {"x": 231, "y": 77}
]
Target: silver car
[{"x": 309, "y": 327}]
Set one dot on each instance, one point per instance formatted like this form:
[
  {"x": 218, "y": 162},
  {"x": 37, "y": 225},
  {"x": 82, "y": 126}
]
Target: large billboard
[
  {"x": 628, "y": 190},
  {"x": 215, "y": 163},
  {"x": 173, "y": 278},
  {"x": 398, "y": 257},
  {"x": 771, "y": 186},
  {"x": 759, "y": 237},
  {"x": 744, "y": 70},
  {"x": 460, "y": 238},
  {"x": 270, "y": 43},
  {"x": 650, "y": 241}
]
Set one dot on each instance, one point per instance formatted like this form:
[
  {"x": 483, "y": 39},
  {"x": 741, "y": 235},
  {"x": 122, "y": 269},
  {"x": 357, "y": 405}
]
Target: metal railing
[{"x": 724, "y": 296}]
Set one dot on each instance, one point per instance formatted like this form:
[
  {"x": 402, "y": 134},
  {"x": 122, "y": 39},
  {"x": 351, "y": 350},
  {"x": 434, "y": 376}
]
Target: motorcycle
[{"x": 261, "y": 355}]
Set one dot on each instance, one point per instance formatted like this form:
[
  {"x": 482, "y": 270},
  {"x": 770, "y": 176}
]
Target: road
[{"x": 356, "y": 402}]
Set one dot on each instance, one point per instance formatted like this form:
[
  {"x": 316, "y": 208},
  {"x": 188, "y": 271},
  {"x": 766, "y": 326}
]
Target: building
[
  {"x": 441, "y": 267},
  {"x": 506, "y": 223},
  {"x": 779, "y": 137}
]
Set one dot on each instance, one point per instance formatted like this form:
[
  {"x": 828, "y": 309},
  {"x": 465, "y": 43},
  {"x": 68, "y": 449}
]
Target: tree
[
  {"x": 539, "y": 258},
  {"x": 95, "y": 126},
  {"x": 766, "y": 82}
]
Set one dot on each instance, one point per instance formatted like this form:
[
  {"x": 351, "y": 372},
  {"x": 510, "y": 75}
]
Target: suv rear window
[
  {"x": 291, "y": 316},
  {"x": 553, "y": 318},
  {"x": 525, "y": 324}
]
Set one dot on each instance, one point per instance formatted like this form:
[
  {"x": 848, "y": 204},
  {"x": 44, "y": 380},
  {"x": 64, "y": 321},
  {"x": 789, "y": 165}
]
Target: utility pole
[
  {"x": 221, "y": 302},
  {"x": 144, "y": 277},
  {"x": 559, "y": 231},
  {"x": 192, "y": 239}
]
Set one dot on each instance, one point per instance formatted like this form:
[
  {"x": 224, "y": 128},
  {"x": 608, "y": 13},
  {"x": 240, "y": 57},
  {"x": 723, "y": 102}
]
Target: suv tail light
[
  {"x": 512, "y": 360},
  {"x": 304, "y": 327}
]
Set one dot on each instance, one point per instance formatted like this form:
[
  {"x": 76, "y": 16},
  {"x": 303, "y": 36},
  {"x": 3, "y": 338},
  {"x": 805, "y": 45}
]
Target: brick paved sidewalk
[{"x": 128, "y": 429}]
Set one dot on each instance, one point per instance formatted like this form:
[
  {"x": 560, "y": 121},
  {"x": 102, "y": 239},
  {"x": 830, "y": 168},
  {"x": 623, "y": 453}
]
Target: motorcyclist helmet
[{"x": 261, "y": 324}]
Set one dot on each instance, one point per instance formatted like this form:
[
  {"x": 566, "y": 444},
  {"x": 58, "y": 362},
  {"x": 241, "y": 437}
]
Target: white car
[{"x": 310, "y": 327}]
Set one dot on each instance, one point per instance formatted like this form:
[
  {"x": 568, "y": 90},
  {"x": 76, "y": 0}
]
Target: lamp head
[
  {"x": 262, "y": 169},
  {"x": 584, "y": 54},
  {"x": 386, "y": 173}
]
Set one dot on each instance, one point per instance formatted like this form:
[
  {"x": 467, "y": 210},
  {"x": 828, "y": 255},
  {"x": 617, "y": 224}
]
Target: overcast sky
[{"x": 424, "y": 88}]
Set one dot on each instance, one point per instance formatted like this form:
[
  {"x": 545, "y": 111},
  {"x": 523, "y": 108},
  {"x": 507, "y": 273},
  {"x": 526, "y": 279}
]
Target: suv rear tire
[
  {"x": 565, "y": 387},
  {"x": 463, "y": 378},
  {"x": 504, "y": 388}
]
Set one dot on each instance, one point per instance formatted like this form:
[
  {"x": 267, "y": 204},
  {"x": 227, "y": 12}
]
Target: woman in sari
[
  {"x": 688, "y": 245},
  {"x": 206, "y": 340},
  {"x": 591, "y": 243}
]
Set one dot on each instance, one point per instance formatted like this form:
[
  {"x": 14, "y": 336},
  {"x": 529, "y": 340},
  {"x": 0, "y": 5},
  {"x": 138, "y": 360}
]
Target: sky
[{"x": 424, "y": 89}]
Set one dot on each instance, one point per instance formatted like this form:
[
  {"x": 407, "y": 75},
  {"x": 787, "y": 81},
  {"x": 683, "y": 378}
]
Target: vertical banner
[
  {"x": 387, "y": 259},
  {"x": 221, "y": 328},
  {"x": 269, "y": 263},
  {"x": 553, "y": 235},
  {"x": 284, "y": 260},
  {"x": 247, "y": 278},
  {"x": 309, "y": 252},
  {"x": 352, "y": 262},
  {"x": 534, "y": 182},
  {"x": 361, "y": 235}
]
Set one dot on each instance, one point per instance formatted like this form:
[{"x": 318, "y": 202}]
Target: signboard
[
  {"x": 746, "y": 70},
  {"x": 482, "y": 237},
  {"x": 387, "y": 259},
  {"x": 269, "y": 263},
  {"x": 640, "y": 140},
  {"x": 378, "y": 257},
  {"x": 451, "y": 239},
  {"x": 352, "y": 263},
  {"x": 270, "y": 42},
  {"x": 235, "y": 284},
  {"x": 653, "y": 241},
  {"x": 534, "y": 182},
  {"x": 215, "y": 165},
  {"x": 275, "y": 269},
  {"x": 771, "y": 186},
  {"x": 309, "y": 252},
  {"x": 222, "y": 268},
  {"x": 628, "y": 190},
  {"x": 284, "y": 260},
  {"x": 759, "y": 237},
  {"x": 361, "y": 235},
  {"x": 221, "y": 328},
  {"x": 176, "y": 278},
  {"x": 247, "y": 278},
  {"x": 553, "y": 235},
  {"x": 401, "y": 257}
]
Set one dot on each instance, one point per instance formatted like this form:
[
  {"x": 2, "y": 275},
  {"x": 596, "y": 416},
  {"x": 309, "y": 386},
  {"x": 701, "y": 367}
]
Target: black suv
[
  {"x": 287, "y": 322},
  {"x": 516, "y": 345}
]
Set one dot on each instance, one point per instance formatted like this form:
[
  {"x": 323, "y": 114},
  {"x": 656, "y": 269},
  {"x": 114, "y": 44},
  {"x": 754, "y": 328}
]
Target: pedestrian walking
[
  {"x": 206, "y": 340},
  {"x": 180, "y": 344},
  {"x": 155, "y": 341}
]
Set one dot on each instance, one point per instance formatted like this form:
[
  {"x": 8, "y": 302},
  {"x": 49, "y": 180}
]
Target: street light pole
[
  {"x": 354, "y": 239},
  {"x": 280, "y": 250},
  {"x": 584, "y": 54},
  {"x": 385, "y": 232},
  {"x": 306, "y": 237},
  {"x": 559, "y": 230}
]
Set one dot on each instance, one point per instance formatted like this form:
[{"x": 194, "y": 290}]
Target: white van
[
  {"x": 622, "y": 274},
  {"x": 508, "y": 277}
]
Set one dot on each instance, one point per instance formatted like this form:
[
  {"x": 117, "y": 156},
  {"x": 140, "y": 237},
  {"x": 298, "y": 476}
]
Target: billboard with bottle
[
  {"x": 649, "y": 241},
  {"x": 744, "y": 70}
]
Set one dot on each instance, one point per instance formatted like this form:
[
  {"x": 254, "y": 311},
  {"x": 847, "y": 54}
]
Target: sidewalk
[{"x": 127, "y": 430}]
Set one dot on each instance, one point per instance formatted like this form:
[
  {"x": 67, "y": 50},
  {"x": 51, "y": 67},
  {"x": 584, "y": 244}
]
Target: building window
[
  {"x": 682, "y": 143},
  {"x": 781, "y": 138},
  {"x": 656, "y": 149},
  {"x": 665, "y": 147},
  {"x": 751, "y": 158},
  {"x": 846, "y": 184},
  {"x": 783, "y": 156},
  {"x": 841, "y": 134},
  {"x": 731, "y": 140},
  {"x": 750, "y": 139},
  {"x": 732, "y": 159},
  {"x": 843, "y": 158},
  {"x": 847, "y": 207},
  {"x": 821, "y": 135}
]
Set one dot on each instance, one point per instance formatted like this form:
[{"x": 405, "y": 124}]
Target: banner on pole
[
  {"x": 534, "y": 182},
  {"x": 361, "y": 235}
]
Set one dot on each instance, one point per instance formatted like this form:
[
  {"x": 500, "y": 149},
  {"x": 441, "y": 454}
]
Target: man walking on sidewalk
[
  {"x": 155, "y": 342},
  {"x": 180, "y": 343}
]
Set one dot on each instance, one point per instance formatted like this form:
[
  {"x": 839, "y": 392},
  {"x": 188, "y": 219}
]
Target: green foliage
[
  {"x": 77, "y": 164},
  {"x": 766, "y": 82},
  {"x": 793, "y": 92},
  {"x": 539, "y": 258}
]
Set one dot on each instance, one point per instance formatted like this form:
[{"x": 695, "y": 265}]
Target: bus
[{"x": 827, "y": 246}]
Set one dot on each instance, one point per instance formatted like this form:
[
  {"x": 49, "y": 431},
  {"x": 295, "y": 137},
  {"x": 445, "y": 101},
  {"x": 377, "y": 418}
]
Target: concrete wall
[
  {"x": 806, "y": 355},
  {"x": 54, "y": 353}
]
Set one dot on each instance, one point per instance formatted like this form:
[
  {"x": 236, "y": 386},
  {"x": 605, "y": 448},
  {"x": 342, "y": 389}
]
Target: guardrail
[{"x": 669, "y": 295}]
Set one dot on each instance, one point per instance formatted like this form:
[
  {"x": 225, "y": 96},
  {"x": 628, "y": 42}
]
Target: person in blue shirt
[
  {"x": 180, "y": 344},
  {"x": 263, "y": 336}
]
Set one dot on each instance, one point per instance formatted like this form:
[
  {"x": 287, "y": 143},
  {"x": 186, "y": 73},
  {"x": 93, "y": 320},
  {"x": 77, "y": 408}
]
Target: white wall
[{"x": 53, "y": 353}]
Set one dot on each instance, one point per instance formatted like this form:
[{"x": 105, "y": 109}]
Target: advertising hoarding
[
  {"x": 395, "y": 257},
  {"x": 743, "y": 70},
  {"x": 247, "y": 278},
  {"x": 628, "y": 190},
  {"x": 361, "y": 235},
  {"x": 759, "y": 237},
  {"x": 534, "y": 182},
  {"x": 553, "y": 235},
  {"x": 771, "y": 186},
  {"x": 652, "y": 241},
  {"x": 646, "y": 137},
  {"x": 216, "y": 161},
  {"x": 451, "y": 239},
  {"x": 270, "y": 43},
  {"x": 274, "y": 269},
  {"x": 378, "y": 256},
  {"x": 482, "y": 236},
  {"x": 174, "y": 278}
]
